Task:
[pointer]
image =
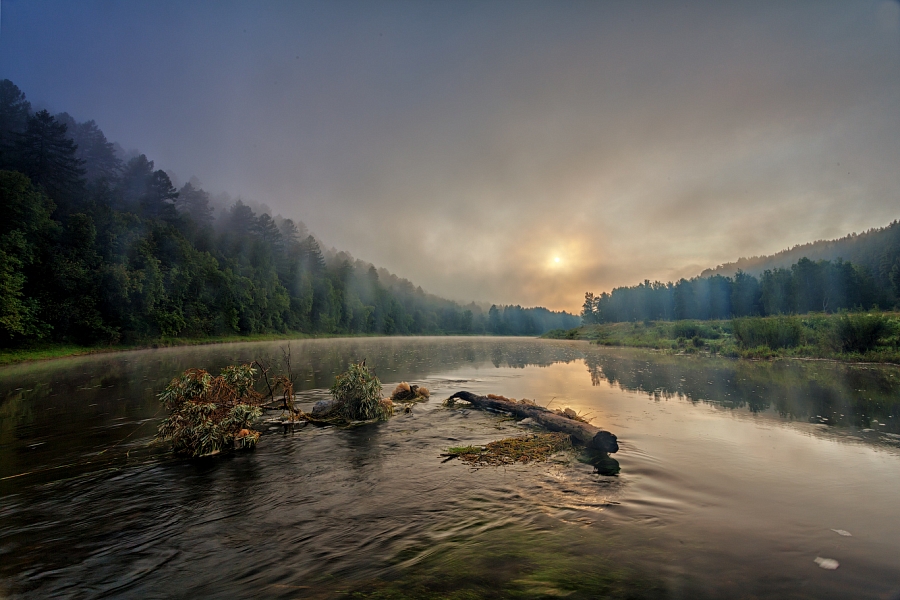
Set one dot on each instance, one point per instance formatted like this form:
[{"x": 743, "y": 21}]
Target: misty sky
[{"x": 468, "y": 145}]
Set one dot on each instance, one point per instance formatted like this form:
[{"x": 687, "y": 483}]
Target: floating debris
[
  {"x": 536, "y": 447},
  {"x": 843, "y": 532},
  {"x": 405, "y": 392},
  {"x": 827, "y": 563}
]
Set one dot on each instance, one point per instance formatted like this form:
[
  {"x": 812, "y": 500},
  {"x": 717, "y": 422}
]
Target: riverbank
[
  {"x": 851, "y": 337},
  {"x": 10, "y": 356}
]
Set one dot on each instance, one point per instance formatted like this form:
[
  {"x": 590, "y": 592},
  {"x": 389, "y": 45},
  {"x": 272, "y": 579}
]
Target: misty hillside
[
  {"x": 100, "y": 247},
  {"x": 872, "y": 249},
  {"x": 854, "y": 272}
]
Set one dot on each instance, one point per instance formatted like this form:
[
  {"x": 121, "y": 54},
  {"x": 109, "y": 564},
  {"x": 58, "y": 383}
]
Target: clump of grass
[
  {"x": 535, "y": 447},
  {"x": 861, "y": 333},
  {"x": 357, "y": 395},
  {"x": 692, "y": 330},
  {"x": 209, "y": 414},
  {"x": 771, "y": 332}
]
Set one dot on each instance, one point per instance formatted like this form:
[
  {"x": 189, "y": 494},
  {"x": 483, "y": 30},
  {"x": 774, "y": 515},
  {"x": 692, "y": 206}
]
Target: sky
[{"x": 507, "y": 152}]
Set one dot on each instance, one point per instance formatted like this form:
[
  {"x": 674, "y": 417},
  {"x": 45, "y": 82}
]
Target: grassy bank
[{"x": 858, "y": 337}]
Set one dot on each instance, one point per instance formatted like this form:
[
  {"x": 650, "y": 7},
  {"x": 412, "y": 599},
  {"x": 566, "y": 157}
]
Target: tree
[
  {"x": 194, "y": 202},
  {"x": 146, "y": 191},
  {"x": 588, "y": 309},
  {"x": 47, "y": 155},
  {"x": 311, "y": 256},
  {"x": 14, "y": 111},
  {"x": 745, "y": 295},
  {"x": 94, "y": 150},
  {"x": 24, "y": 234}
]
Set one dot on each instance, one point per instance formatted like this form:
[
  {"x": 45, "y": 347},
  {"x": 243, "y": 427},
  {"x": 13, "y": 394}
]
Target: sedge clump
[
  {"x": 208, "y": 414},
  {"x": 357, "y": 395}
]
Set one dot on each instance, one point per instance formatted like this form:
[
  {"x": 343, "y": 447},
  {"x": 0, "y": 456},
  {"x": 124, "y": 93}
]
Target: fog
[{"x": 467, "y": 146}]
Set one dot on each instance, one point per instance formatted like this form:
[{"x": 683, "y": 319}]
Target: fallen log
[{"x": 591, "y": 436}]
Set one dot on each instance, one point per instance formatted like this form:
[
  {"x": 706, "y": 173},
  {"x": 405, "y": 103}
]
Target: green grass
[{"x": 854, "y": 337}]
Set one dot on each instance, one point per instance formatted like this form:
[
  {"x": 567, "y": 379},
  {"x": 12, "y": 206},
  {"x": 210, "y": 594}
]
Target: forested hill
[
  {"x": 95, "y": 248},
  {"x": 867, "y": 249},
  {"x": 855, "y": 272}
]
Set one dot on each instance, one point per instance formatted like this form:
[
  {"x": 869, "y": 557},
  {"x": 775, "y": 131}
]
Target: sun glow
[{"x": 556, "y": 260}]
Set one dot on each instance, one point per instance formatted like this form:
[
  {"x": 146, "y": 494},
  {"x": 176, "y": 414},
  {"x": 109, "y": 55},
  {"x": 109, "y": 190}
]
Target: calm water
[{"x": 734, "y": 477}]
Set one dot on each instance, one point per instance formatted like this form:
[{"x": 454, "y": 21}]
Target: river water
[{"x": 736, "y": 480}]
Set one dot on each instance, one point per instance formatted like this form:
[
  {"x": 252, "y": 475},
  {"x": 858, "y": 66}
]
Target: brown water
[{"x": 734, "y": 477}]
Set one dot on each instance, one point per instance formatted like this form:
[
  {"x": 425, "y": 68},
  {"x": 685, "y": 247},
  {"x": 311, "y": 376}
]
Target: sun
[{"x": 556, "y": 260}]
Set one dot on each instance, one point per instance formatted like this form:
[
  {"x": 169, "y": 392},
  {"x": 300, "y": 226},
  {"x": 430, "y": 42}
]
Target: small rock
[
  {"x": 322, "y": 407},
  {"x": 827, "y": 563}
]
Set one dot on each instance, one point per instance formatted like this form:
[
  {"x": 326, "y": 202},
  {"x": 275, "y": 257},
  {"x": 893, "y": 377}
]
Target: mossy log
[{"x": 591, "y": 436}]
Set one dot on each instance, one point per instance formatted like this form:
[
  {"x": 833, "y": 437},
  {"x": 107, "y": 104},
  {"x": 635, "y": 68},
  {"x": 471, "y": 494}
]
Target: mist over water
[{"x": 734, "y": 476}]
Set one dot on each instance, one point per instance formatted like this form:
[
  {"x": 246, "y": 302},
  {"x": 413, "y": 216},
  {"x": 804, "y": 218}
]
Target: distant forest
[
  {"x": 875, "y": 249},
  {"x": 98, "y": 247},
  {"x": 807, "y": 285}
]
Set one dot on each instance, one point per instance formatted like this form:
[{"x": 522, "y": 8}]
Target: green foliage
[
  {"x": 210, "y": 414},
  {"x": 693, "y": 329},
  {"x": 772, "y": 332},
  {"x": 357, "y": 394},
  {"x": 25, "y": 232},
  {"x": 862, "y": 332}
]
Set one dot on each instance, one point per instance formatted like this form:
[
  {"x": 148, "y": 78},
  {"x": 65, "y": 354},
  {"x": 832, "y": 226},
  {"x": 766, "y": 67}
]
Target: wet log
[{"x": 591, "y": 436}]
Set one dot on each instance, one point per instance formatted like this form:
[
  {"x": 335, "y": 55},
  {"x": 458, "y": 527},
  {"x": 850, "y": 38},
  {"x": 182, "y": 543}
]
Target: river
[{"x": 738, "y": 479}]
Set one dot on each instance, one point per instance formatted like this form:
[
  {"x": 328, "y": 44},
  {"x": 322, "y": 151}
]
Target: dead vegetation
[
  {"x": 405, "y": 392},
  {"x": 209, "y": 414},
  {"x": 562, "y": 412},
  {"x": 514, "y": 450}
]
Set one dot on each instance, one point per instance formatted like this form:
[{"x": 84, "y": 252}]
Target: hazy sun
[{"x": 556, "y": 259}]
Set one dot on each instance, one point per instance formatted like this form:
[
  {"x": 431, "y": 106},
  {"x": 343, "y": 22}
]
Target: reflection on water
[
  {"x": 735, "y": 476},
  {"x": 845, "y": 395}
]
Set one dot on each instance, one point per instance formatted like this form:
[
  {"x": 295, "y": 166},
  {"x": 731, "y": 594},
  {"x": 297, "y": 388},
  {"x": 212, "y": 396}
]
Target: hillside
[
  {"x": 868, "y": 249},
  {"x": 855, "y": 272},
  {"x": 101, "y": 248}
]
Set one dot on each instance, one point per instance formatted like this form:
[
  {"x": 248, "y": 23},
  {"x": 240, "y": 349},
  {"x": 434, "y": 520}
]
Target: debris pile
[
  {"x": 404, "y": 392},
  {"x": 535, "y": 447},
  {"x": 210, "y": 414}
]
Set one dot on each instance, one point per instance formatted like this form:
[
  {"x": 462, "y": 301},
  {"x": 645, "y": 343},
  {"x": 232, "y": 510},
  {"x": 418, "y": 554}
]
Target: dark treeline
[
  {"x": 95, "y": 248},
  {"x": 807, "y": 286}
]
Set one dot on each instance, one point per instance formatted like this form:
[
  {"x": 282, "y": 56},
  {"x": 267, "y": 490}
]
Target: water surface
[{"x": 734, "y": 477}]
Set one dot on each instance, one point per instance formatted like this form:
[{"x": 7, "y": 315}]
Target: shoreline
[
  {"x": 16, "y": 356},
  {"x": 816, "y": 337}
]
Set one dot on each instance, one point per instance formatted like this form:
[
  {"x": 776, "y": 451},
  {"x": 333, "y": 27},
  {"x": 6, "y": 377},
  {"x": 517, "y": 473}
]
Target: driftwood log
[{"x": 592, "y": 437}]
